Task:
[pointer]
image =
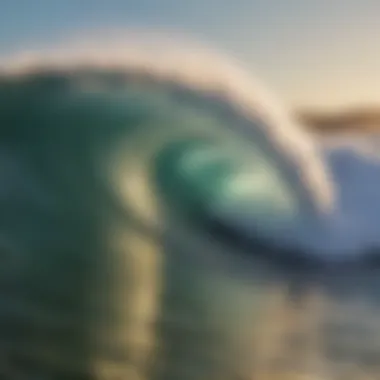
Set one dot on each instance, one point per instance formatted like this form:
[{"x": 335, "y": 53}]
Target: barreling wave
[
  {"x": 87, "y": 120},
  {"x": 167, "y": 60}
]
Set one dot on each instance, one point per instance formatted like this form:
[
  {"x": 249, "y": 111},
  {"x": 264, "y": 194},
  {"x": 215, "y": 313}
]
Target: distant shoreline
[{"x": 353, "y": 120}]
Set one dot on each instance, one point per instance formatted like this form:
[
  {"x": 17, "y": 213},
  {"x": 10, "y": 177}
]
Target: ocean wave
[{"x": 338, "y": 181}]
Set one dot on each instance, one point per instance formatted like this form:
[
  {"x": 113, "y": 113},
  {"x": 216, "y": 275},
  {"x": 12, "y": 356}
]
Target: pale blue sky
[{"x": 313, "y": 52}]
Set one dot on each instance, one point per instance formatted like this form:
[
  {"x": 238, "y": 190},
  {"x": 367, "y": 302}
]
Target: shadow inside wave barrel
[{"x": 291, "y": 259}]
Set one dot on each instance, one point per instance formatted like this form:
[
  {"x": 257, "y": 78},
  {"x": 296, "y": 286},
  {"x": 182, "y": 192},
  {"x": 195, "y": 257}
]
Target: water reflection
[{"x": 255, "y": 320}]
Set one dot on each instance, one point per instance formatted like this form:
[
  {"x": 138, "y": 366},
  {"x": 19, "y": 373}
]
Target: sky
[{"x": 313, "y": 53}]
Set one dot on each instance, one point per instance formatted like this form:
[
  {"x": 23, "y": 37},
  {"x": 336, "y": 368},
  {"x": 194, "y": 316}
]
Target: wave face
[{"x": 115, "y": 161}]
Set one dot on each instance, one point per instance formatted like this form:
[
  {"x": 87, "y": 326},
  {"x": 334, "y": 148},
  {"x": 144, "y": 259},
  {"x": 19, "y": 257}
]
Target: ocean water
[
  {"x": 150, "y": 206},
  {"x": 354, "y": 162}
]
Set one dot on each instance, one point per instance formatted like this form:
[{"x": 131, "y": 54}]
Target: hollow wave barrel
[{"x": 145, "y": 199}]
